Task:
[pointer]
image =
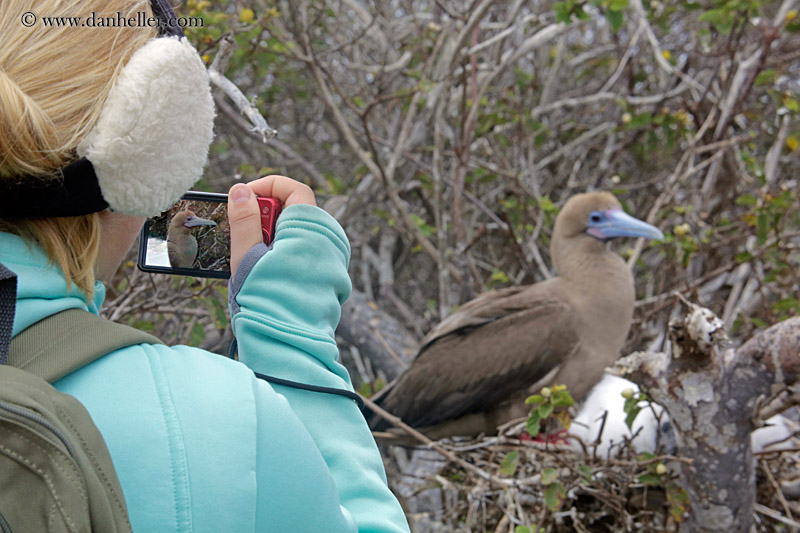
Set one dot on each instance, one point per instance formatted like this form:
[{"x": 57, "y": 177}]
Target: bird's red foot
[{"x": 555, "y": 437}]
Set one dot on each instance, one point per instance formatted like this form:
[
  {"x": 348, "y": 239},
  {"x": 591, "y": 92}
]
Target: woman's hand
[{"x": 245, "y": 217}]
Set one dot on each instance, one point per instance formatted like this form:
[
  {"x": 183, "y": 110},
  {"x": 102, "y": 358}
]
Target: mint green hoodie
[{"x": 199, "y": 443}]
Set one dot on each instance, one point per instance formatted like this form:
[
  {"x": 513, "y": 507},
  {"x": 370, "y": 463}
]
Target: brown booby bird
[
  {"x": 475, "y": 369},
  {"x": 181, "y": 244}
]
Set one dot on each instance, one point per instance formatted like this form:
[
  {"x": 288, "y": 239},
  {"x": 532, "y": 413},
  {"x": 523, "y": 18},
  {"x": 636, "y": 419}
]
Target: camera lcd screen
[{"x": 192, "y": 238}]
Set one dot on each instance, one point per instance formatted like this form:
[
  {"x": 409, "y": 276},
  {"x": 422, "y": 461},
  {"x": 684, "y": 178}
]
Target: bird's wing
[
  {"x": 497, "y": 350},
  {"x": 485, "y": 308}
]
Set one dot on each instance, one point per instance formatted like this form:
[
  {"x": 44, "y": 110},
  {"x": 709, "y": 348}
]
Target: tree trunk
[{"x": 713, "y": 394}]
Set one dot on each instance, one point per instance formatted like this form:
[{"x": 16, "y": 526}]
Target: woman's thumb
[{"x": 245, "y": 220}]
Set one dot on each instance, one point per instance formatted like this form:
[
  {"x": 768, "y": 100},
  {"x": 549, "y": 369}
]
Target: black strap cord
[
  {"x": 303, "y": 386},
  {"x": 314, "y": 388}
]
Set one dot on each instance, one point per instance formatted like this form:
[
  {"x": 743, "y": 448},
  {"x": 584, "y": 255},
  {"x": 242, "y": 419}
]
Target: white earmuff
[{"x": 151, "y": 141}]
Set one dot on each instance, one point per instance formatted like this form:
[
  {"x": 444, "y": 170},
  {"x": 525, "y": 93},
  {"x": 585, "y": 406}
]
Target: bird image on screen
[
  {"x": 475, "y": 369},
  {"x": 191, "y": 234},
  {"x": 181, "y": 243}
]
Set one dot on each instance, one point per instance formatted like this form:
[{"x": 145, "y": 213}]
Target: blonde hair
[{"x": 54, "y": 80}]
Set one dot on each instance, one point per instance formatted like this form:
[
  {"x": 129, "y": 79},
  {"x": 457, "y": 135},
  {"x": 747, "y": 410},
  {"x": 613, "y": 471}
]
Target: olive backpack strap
[
  {"x": 69, "y": 340},
  {"x": 56, "y": 473},
  {"x": 8, "y": 302}
]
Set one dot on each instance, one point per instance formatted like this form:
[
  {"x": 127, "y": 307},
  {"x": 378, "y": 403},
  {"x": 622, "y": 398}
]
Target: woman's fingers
[
  {"x": 287, "y": 190},
  {"x": 244, "y": 215}
]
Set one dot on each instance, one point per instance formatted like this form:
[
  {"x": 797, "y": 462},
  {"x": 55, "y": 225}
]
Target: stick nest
[{"x": 512, "y": 484}]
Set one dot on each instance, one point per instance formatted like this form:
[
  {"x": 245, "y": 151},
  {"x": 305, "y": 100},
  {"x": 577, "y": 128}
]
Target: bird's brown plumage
[
  {"x": 476, "y": 368},
  {"x": 181, "y": 244}
]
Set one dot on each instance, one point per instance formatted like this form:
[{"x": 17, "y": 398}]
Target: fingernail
[{"x": 242, "y": 194}]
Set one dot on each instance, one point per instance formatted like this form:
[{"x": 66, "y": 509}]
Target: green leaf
[
  {"x": 650, "y": 479},
  {"x": 545, "y": 410},
  {"x": 617, "y": 5},
  {"x": 549, "y": 475},
  {"x": 615, "y": 20},
  {"x": 563, "y": 14},
  {"x": 783, "y": 200},
  {"x": 632, "y": 407},
  {"x": 765, "y": 77},
  {"x": 554, "y": 496},
  {"x": 509, "y": 464},
  {"x": 720, "y": 19},
  {"x": 522, "y": 529},
  {"x": 198, "y": 334},
  {"x": 563, "y": 419},
  {"x": 144, "y": 325},
  {"x": 122, "y": 285},
  {"x": 640, "y": 120},
  {"x": 499, "y": 275},
  {"x": 217, "y": 312},
  {"x": 632, "y": 413},
  {"x": 762, "y": 228},
  {"x": 532, "y": 425},
  {"x": 365, "y": 389},
  {"x": 785, "y": 305},
  {"x": 747, "y": 200},
  {"x": 547, "y": 205},
  {"x": 246, "y": 168},
  {"x": 678, "y": 501},
  {"x": 562, "y": 399},
  {"x": 743, "y": 257},
  {"x": 534, "y": 399},
  {"x": 426, "y": 229},
  {"x": 277, "y": 47},
  {"x": 586, "y": 472}
]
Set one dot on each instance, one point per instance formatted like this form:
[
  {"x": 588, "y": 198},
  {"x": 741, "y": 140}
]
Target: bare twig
[
  {"x": 396, "y": 422},
  {"x": 216, "y": 73},
  {"x": 771, "y": 162}
]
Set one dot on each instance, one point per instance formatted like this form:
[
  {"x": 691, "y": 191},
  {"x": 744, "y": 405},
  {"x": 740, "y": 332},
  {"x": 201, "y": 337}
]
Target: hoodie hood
[{"x": 41, "y": 286}]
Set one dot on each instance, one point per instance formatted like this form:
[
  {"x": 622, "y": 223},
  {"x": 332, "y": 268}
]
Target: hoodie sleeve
[{"x": 285, "y": 306}]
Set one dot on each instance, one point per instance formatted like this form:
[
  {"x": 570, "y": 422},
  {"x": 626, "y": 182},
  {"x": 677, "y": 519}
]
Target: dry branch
[
  {"x": 713, "y": 393},
  {"x": 216, "y": 73}
]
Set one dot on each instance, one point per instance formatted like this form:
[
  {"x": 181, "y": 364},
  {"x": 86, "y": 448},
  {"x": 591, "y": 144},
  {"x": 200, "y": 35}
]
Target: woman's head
[{"x": 54, "y": 80}]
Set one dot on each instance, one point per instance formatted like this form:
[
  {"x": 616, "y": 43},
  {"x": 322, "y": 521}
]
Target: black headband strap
[
  {"x": 78, "y": 193},
  {"x": 168, "y": 26}
]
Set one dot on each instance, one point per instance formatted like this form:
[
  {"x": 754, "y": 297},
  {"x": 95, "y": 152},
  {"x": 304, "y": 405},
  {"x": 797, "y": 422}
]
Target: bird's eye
[
  {"x": 595, "y": 217},
  {"x": 189, "y": 218}
]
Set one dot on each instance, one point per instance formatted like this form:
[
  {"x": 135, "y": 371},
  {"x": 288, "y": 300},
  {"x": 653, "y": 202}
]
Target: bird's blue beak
[
  {"x": 605, "y": 225},
  {"x": 197, "y": 221}
]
